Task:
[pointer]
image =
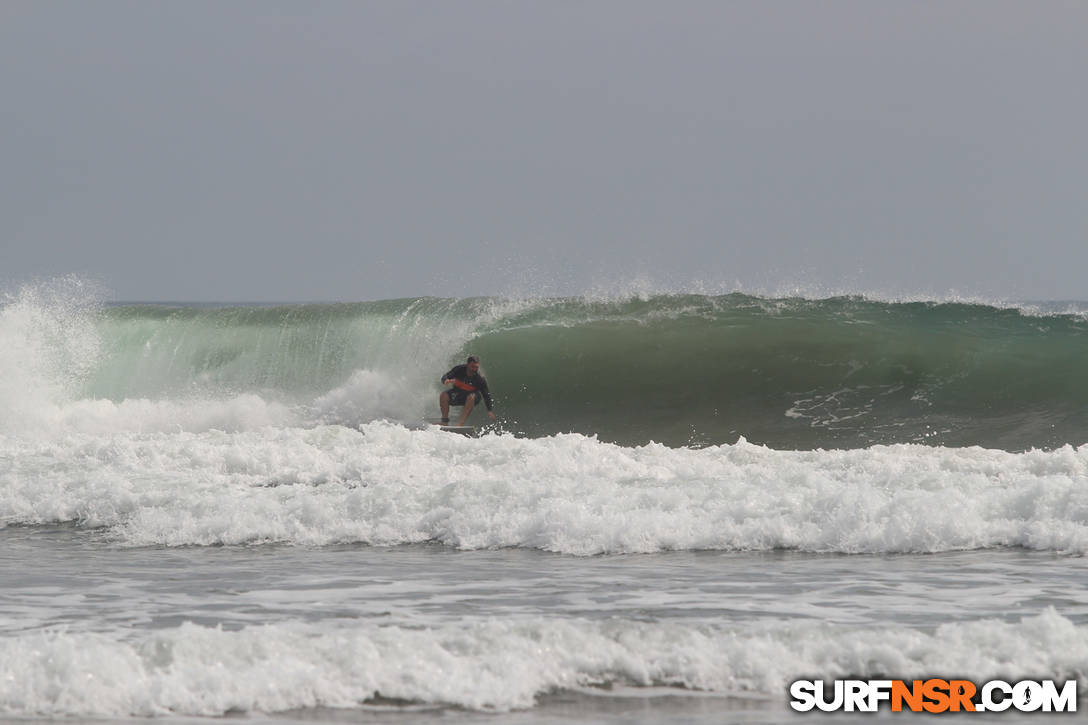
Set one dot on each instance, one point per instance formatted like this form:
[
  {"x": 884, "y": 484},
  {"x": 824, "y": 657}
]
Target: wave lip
[
  {"x": 387, "y": 485},
  {"x": 495, "y": 665}
]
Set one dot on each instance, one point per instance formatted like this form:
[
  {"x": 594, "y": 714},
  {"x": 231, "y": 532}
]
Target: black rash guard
[{"x": 469, "y": 383}]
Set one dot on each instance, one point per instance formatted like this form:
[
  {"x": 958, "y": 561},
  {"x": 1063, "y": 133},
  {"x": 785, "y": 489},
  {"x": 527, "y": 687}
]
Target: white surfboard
[{"x": 465, "y": 430}]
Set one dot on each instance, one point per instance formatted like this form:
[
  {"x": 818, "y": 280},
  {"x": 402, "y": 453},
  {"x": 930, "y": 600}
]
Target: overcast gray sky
[{"x": 260, "y": 150}]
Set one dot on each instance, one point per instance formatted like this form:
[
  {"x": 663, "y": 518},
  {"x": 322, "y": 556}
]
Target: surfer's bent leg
[
  {"x": 444, "y": 405},
  {"x": 470, "y": 401}
]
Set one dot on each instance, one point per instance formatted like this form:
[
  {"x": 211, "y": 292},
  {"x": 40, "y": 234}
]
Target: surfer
[{"x": 468, "y": 387}]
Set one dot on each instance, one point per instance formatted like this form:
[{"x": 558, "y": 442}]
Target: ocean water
[{"x": 687, "y": 502}]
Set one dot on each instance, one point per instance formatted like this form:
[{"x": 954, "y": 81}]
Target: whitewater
[{"x": 687, "y": 502}]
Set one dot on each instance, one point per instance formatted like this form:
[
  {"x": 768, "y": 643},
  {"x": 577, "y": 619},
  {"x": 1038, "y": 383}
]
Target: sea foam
[
  {"x": 384, "y": 484},
  {"x": 487, "y": 664}
]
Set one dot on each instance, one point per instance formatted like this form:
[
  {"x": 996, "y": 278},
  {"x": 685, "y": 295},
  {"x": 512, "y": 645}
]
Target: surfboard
[{"x": 465, "y": 430}]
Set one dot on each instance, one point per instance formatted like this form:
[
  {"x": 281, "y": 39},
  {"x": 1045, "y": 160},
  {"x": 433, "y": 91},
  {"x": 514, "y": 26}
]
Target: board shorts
[{"x": 459, "y": 397}]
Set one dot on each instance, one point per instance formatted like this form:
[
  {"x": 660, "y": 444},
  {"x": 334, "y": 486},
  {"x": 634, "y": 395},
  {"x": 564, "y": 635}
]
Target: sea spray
[{"x": 49, "y": 346}]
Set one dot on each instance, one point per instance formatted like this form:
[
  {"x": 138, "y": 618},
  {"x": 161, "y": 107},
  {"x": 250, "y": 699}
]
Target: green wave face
[
  {"x": 679, "y": 370},
  {"x": 798, "y": 374}
]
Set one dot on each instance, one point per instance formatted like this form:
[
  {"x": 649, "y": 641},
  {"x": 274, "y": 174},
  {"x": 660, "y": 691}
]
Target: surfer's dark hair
[{"x": 472, "y": 358}]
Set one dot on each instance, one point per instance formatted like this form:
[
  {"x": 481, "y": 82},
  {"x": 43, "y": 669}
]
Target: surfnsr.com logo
[{"x": 933, "y": 695}]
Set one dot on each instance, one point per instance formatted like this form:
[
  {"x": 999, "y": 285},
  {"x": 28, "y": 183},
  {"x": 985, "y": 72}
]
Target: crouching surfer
[{"x": 468, "y": 387}]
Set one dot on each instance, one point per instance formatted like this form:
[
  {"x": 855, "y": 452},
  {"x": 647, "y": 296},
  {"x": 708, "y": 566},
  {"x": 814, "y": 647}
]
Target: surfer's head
[{"x": 473, "y": 364}]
